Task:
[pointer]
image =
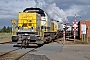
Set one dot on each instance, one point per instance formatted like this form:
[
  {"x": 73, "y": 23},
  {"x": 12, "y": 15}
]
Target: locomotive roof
[{"x": 38, "y": 10}]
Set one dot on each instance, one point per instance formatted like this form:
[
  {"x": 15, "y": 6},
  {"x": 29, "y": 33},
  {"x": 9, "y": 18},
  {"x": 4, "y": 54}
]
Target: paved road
[
  {"x": 72, "y": 52},
  {"x": 56, "y": 51},
  {"x": 48, "y": 49},
  {"x": 38, "y": 54},
  {"x": 44, "y": 50},
  {"x": 6, "y": 47},
  {"x": 9, "y": 47}
]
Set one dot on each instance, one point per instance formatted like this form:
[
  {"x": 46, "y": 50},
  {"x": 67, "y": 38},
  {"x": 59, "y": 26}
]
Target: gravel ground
[
  {"x": 34, "y": 57},
  {"x": 72, "y": 52}
]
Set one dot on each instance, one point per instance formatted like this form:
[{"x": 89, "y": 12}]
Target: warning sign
[{"x": 83, "y": 28}]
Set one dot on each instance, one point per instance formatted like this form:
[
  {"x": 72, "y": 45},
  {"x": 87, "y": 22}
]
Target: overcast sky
[{"x": 57, "y": 9}]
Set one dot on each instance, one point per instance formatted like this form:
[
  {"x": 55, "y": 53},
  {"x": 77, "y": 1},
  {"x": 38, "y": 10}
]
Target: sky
[{"x": 61, "y": 10}]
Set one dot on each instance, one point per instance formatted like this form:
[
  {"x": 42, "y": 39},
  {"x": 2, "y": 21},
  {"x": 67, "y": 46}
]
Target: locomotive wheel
[{"x": 40, "y": 45}]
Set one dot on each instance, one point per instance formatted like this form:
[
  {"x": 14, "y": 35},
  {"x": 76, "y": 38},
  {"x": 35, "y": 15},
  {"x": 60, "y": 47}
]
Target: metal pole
[
  {"x": 64, "y": 36},
  {"x": 75, "y": 27},
  {"x": 82, "y": 37},
  {"x": 74, "y": 36},
  {"x": 87, "y": 39},
  {"x": 87, "y": 34},
  {"x": 12, "y": 28}
]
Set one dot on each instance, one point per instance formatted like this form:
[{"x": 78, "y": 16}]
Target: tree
[
  {"x": 3, "y": 29},
  {"x": 0, "y": 30},
  {"x": 8, "y": 29}
]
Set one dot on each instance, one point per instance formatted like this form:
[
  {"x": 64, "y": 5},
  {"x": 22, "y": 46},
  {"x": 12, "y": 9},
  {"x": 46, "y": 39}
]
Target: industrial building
[{"x": 84, "y": 28}]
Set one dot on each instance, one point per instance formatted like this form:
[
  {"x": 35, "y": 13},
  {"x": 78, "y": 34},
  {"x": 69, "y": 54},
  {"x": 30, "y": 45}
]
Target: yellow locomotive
[{"x": 33, "y": 26}]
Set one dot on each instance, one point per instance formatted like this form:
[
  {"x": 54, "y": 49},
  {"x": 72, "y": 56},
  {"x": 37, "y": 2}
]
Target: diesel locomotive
[{"x": 34, "y": 26}]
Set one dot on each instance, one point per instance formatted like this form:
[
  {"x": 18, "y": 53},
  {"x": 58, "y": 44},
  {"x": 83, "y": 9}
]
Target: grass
[
  {"x": 12, "y": 56},
  {"x": 82, "y": 42},
  {"x": 78, "y": 41},
  {"x": 4, "y": 37}
]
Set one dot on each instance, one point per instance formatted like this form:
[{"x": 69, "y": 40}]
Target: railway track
[
  {"x": 9, "y": 42},
  {"x": 2, "y": 56},
  {"x": 25, "y": 54},
  {"x": 14, "y": 55},
  {"x": 6, "y": 55},
  {"x": 58, "y": 40}
]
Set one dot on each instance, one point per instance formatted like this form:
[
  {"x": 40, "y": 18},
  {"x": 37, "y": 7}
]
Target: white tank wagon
[{"x": 68, "y": 30}]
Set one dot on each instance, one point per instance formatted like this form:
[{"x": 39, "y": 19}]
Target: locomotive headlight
[
  {"x": 29, "y": 37},
  {"x": 26, "y": 34}
]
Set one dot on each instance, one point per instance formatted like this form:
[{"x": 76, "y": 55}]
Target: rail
[
  {"x": 8, "y": 42},
  {"x": 2, "y": 55},
  {"x": 25, "y": 54}
]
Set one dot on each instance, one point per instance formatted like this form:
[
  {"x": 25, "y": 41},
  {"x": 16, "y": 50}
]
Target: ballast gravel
[{"x": 34, "y": 57}]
